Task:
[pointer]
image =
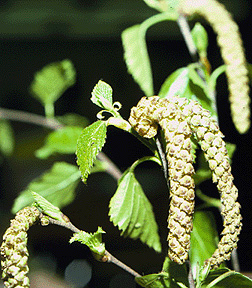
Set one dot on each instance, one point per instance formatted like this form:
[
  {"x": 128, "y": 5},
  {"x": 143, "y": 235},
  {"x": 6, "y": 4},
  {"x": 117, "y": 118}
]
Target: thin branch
[
  {"x": 190, "y": 276},
  {"x": 186, "y": 33},
  {"x": 30, "y": 118},
  {"x": 112, "y": 169},
  {"x": 163, "y": 158},
  {"x": 108, "y": 256}
]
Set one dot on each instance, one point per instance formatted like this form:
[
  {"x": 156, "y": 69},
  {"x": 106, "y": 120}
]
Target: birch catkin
[
  {"x": 231, "y": 47},
  {"x": 180, "y": 119},
  {"x": 14, "y": 251}
]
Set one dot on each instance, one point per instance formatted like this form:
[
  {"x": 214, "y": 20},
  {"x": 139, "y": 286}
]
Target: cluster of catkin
[
  {"x": 232, "y": 51},
  {"x": 180, "y": 119},
  {"x": 14, "y": 251}
]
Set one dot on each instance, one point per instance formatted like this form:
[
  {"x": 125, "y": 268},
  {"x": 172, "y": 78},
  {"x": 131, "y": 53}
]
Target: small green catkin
[
  {"x": 180, "y": 119},
  {"x": 14, "y": 251},
  {"x": 232, "y": 51}
]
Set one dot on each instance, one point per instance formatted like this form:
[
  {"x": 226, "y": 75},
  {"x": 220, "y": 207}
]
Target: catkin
[
  {"x": 232, "y": 51},
  {"x": 14, "y": 251},
  {"x": 180, "y": 119}
]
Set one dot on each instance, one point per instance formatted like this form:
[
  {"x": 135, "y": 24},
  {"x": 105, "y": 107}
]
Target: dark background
[{"x": 35, "y": 33}]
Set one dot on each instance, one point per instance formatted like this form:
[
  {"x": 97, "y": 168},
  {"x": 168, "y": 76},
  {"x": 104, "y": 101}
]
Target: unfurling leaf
[
  {"x": 92, "y": 240},
  {"x": 52, "y": 81},
  {"x": 89, "y": 145},
  {"x": 47, "y": 208},
  {"x": 132, "y": 212},
  {"x": 137, "y": 58},
  {"x": 56, "y": 185},
  {"x": 102, "y": 95},
  {"x": 200, "y": 38},
  {"x": 62, "y": 141}
]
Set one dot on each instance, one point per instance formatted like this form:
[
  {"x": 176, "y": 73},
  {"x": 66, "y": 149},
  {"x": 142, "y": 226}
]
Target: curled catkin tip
[
  {"x": 14, "y": 251},
  {"x": 232, "y": 51}
]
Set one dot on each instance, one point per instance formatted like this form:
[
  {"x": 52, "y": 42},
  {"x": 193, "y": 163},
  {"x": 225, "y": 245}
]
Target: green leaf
[
  {"x": 63, "y": 141},
  {"x": 175, "y": 84},
  {"x": 92, "y": 240},
  {"x": 47, "y": 208},
  {"x": 200, "y": 38},
  {"x": 204, "y": 239},
  {"x": 231, "y": 149},
  {"x": 102, "y": 95},
  {"x": 89, "y": 145},
  {"x": 214, "y": 76},
  {"x": 56, "y": 185},
  {"x": 52, "y": 81},
  {"x": 162, "y": 5},
  {"x": 173, "y": 275},
  {"x": 126, "y": 211},
  {"x": 137, "y": 58},
  {"x": 225, "y": 278},
  {"x": 7, "y": 140},
  {"x": 72, "y": 119}
]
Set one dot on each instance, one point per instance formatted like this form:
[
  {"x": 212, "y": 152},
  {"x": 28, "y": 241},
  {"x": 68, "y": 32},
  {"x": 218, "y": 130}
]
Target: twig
[
  {"x": 190, "y": 276},
  {"x": 186, "y": 33},
  {"x": 112, "y": 169},
  {"x": 163, "y": 158},
  {"x": 30, "y": 118},
  {"x": 108, "y": 256}
]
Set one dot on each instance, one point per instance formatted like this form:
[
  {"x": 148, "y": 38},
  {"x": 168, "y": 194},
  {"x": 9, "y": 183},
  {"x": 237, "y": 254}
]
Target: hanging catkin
[
  {"x": 232, "y": 51},
  {"x": 14, "y": 251},
  {"x": 180, "y": 119}
]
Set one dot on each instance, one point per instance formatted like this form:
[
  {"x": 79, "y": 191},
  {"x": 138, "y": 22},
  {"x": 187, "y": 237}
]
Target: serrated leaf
[
  {"x": 56, "y": 185},
  {"x": 126, "y": 211},
  {"x": 225, "y": 278},
  {"x": 200, "y": 38},
  {"x": 63, "y": 141},
  {"x": 47, "y": 208},
  {"x": 137, "y": 58},
  {"x": 158, "y": 280},
  {"x": 7, "y": 140},
  {"x": 102, "y": 95},
  {"x": 52, "y": 81},
  {"x": 204, "y": 239},
  {"x": 89, "y": 145},
  {"x": 92, "y": 240}
]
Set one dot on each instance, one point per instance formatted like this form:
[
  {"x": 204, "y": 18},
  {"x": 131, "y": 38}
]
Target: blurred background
[{"x": 35, "y": 33}]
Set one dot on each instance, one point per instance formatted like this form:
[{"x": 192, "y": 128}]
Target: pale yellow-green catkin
[
  {"x": 144, "y": 118},
  {"x": 179, "y": 119},
  {"x": 14, "y": 251},
  {"x": 232, "y": 51}
]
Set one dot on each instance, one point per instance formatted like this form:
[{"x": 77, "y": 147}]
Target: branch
[
  {"x": 108, "y": 258},
  {"x": 30, "y": 118}
]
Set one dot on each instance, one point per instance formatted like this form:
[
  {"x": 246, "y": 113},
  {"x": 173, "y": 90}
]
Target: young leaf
[
  {"x": 137, "y": 58},
  {"x": 131, "y": 211},
  {"x": 62, "y": 141},
  {"x": 7, "y": 141},
  {"x": 200, "y": 38},
  {"x": 56, "y": 185},
  {"x": 92, "y": 240},
  {"x": 204, "y": 239},
  {"x": 102, "y": 95},
  {"x": 162, "y": 6},
  {"x": 52, "y": 81},
  {"x": 47, "y": 208},
  {"x": 89, "y": 145},
  {"x": 225, "y": 278}
]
